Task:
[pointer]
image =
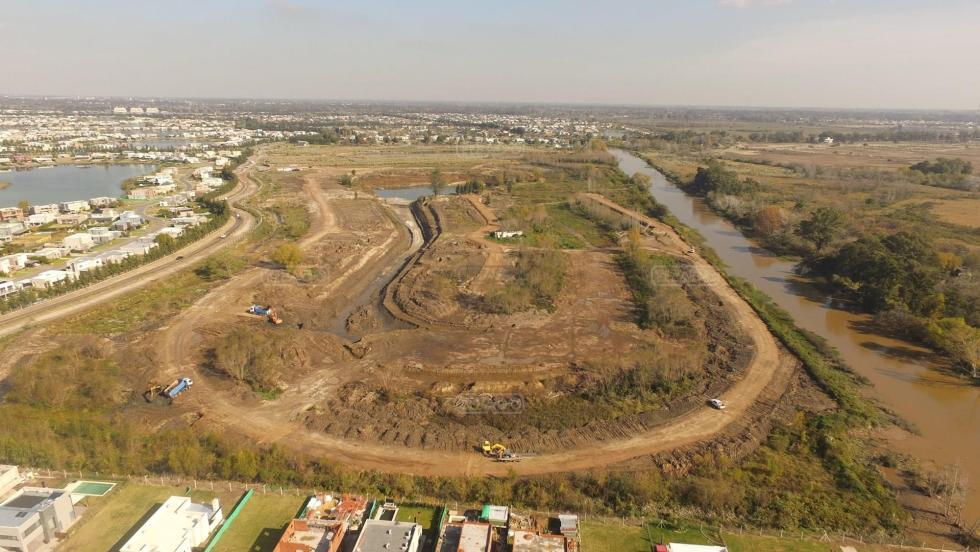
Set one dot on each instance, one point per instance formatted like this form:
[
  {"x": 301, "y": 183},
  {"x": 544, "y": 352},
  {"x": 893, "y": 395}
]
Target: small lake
[
  {"x": 411, "y": 193},
  {"x": 67, "y": 183}
]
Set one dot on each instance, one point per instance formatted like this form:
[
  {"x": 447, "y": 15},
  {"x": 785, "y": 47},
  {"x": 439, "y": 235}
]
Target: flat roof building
[
  {"x": 528, "y": 541},
  {"x": 468, "y": 537},
  {"x": 33, "y": 517},
  {"x": 178, "y": 526},
  {"x": 388, "y": 536}
]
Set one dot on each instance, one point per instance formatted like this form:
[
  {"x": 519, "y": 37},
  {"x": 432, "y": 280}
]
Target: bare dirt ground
[{"x": 353, "y": 243}]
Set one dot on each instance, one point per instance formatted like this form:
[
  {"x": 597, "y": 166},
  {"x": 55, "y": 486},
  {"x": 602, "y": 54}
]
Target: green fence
[{"x": 231, "y": 517}]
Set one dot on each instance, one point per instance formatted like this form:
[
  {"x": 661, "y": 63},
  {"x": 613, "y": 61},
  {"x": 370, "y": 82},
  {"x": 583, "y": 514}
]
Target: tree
[
  {"x": 769, "y": 221},
  {"x": 961, "y": 341},
  {"x": 346, "y": 181},
  {"x": 287, "y": 255},
  {"x": 822, "y": 227},
  {"x": 24, "y": 205},
  {"x": 437, "y": 181}
]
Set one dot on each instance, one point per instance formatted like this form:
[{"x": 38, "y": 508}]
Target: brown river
[{"x": 909, "y": 380}]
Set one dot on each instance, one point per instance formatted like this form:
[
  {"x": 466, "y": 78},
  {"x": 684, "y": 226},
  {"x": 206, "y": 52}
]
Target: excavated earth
[{"x": 394, "y": 365}]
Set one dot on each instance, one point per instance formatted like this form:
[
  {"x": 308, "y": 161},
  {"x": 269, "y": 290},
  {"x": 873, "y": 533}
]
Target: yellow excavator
[
  {"x": 499, "y": 452},
  {"x": 495, "y": 450}
]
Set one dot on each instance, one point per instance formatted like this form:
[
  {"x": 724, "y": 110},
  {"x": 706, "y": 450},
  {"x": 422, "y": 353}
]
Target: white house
[
  {"x": 82, "y": 241},
  {"x": 105, "y": 215},
  {"x": 48, "y": 253},
  {"x": 172, "y": 231},
  {"x": 71, "y": 219},
  {"x": 127, "y": 221},
  {"x": 114, "y": 256},
  {"x": 40, "y": 219},
  {"x": 137, "y": 248},
  {"x": 6, "y": 288},
  {"x": 48, "y": 278},
  {"x": 51, "y": 208},
  {"x": 178, "y": 525},
  {"x": 98, "y": 202},
  {"x": 85, "y": 264},
  {"x": 10, "y": 229},
  {"x": 73, "y": 206}
]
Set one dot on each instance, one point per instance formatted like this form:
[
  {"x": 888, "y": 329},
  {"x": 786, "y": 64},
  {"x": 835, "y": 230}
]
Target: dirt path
[
  {"x": 767, "y": 375},
  {"x": 70, "y": 303}
]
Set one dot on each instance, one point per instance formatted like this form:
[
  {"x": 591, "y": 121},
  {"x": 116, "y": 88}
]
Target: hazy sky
[{"x": 816, "y": 53}]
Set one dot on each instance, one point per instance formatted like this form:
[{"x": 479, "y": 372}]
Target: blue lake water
[{"x": 67, "y": 183}]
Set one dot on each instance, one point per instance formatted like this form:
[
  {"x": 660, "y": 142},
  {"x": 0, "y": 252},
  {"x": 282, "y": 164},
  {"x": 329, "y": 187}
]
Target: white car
[{"x": 717, "y": 403}]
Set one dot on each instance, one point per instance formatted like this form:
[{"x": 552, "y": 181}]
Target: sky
[{"x": 768, "y": 53}]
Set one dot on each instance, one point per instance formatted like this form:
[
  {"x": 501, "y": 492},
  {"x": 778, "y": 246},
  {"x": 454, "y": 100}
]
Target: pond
[{"x": 44, "y": 185}]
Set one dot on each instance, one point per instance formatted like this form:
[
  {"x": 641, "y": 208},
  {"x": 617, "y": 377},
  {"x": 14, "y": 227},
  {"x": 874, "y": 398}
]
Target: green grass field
[
  {"x": 260, "y": 523},
  {"x": 424, "y": 516},
  {"x": 112, "y": 519}
]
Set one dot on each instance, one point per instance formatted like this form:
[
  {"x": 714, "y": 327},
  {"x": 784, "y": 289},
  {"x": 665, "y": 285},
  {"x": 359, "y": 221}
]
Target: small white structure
[
  {"x": 506, "y": 234},
  {"x": 178, "y": 526},
  {"x": 675, "y": 547}
]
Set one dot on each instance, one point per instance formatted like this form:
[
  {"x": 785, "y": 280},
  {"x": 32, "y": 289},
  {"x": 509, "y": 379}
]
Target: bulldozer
[{"x": 273, "y": 317}]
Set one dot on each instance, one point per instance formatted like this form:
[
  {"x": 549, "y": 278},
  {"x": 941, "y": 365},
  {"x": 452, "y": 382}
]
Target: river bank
[{"x": 909, "y": 380}]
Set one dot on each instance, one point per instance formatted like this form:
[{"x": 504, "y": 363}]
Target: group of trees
[
  {"x": 539, "y": 277},
  {"x": 945, "y": 173},
  {"x": 256, "y": 358},
  {"x": 715, "y": 178}
]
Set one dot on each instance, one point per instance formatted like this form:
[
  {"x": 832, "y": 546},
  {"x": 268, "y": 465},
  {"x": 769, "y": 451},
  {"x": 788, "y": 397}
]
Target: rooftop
[
  {"x": 527, "y": 541},
  {"x": 386, "y": 536}
]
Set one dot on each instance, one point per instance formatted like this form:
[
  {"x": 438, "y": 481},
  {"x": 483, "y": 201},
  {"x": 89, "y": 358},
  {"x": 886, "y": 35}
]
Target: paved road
[{"x": 70, "y": 303}]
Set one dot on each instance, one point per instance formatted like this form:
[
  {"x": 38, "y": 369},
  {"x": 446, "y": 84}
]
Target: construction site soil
[{"x": 391, "y": 362}]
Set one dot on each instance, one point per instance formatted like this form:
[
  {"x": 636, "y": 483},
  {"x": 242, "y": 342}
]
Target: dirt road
[
  {"x": 76, "y": 301},
  {"x": 765, "y": 379}
]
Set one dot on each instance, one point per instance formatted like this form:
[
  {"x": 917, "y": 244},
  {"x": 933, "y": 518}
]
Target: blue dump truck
[
  {"x": 177, "y": 387},
  {"x": 259, "y": 310}
]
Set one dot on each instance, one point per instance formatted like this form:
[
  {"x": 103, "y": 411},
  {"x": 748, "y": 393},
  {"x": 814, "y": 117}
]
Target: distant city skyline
[{"x": 883, "y": 54}]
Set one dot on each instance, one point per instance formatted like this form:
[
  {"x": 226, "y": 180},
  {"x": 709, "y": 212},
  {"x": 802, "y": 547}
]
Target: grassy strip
[{"x": 820, "y": 360}]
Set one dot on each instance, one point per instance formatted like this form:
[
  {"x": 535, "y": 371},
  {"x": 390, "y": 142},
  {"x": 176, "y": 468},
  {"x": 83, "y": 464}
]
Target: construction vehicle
[
  {"x": 266, "y": 311},
  {"x": 177, "y": 387},
  {"x": 152, "y": 391},
  {"x": 274, "y": 317},
  {"x": 499, "y": 452}
]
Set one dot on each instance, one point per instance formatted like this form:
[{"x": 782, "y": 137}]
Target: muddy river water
[{"x": 907, "y": 379}]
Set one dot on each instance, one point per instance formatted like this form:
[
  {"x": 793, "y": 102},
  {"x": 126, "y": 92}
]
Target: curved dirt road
[
  {"x": 89, "y": 296},
  {"x": 767, "y": 375}
]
